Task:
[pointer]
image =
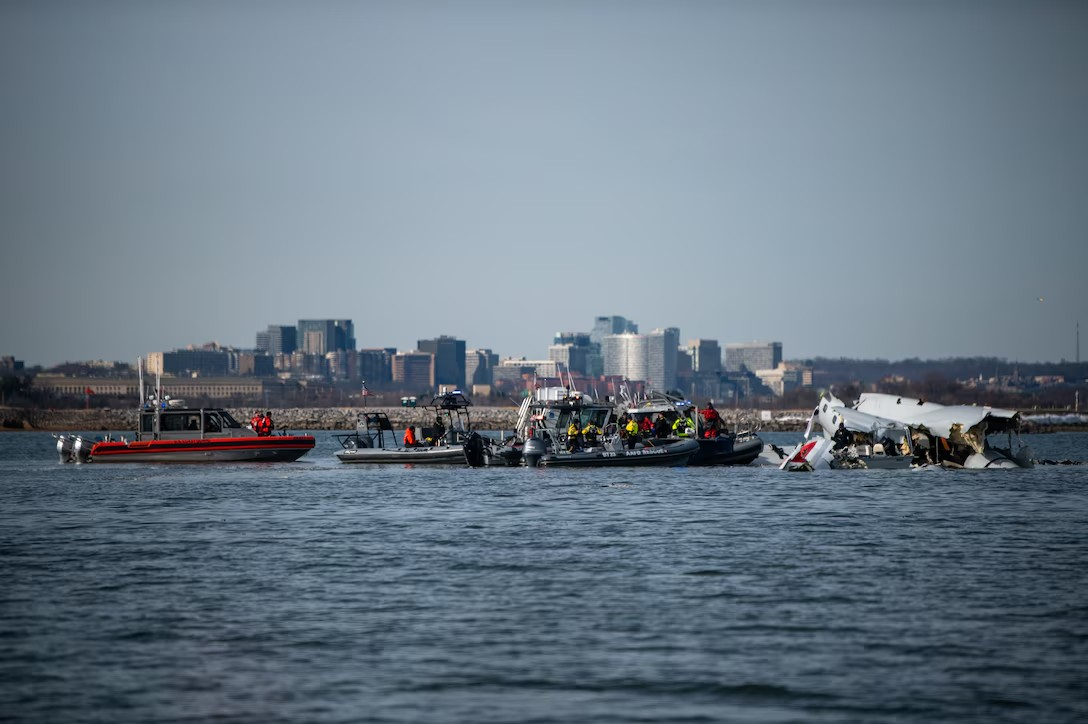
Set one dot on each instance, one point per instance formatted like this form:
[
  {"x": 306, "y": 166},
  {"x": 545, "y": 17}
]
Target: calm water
[{"x": 321, "y": 592}]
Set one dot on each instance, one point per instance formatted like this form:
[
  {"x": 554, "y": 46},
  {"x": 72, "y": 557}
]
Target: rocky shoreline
[
  {"x": 344, "y": 418},
  {"x": 334, "y": 418}
]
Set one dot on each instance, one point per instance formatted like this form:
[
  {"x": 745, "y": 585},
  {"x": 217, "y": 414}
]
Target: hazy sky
[{"x": 860, "y": 179}]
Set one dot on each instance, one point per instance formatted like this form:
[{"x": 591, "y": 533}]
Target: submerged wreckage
[{"x": 890, "y": 431}]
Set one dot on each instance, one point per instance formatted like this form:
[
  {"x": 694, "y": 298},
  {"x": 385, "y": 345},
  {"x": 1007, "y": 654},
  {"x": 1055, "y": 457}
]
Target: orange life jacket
[
  {"x": 409, "y": 437},
  {"x": 264, "y": 427}
]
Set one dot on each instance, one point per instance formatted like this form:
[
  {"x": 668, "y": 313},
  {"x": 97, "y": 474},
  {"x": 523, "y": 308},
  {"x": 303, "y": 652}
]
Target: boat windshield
[{"x": 228, "y": 421}]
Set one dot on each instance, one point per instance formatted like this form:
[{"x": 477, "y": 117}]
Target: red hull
[{"x": 280, "y": 448}]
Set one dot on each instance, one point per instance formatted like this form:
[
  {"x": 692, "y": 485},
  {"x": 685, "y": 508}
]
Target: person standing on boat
[
  {"x": 712, "y": 421},
  {"x": 265, "y": 426},
  {"x": 255, "y": 421},
  {"x": 661, "y": 426},
  {"x": 573, "y": 435},
  {"x": 632, "y": 433}
]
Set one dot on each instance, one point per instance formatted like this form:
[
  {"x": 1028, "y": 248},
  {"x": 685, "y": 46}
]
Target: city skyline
[{"x": 867, "y": 180}]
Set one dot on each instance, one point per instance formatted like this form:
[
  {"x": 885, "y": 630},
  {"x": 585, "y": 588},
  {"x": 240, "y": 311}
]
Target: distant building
[
  {"x": 376, "y": 365},
  {"x": 413, "y": 371},
  {"x": 189, "y": 362},
  {"x": 569, "y": 357},
  {"x": 321, "y": 336},
  {"x": 706, "y": 356},
  {"x": 479, "y": 366},
  {"x": 579, "y": 351},
  {"x": 449, "y": 360},
  {"x": 277, "y": 339},
  {"x": 523, "y": 375},
  {"x": 605, "y": 326},
  {"x": 780, "y": 380},
  {"x": 8, "y": 363},
  {"x": 250, "y": 364},
  {"x": 625, "y": 356},
  {"x": 661, "y": 348},
  {"x": 752, "y": 356}
]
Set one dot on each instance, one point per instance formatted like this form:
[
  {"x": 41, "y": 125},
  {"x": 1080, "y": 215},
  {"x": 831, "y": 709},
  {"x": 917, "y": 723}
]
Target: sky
[{"x": 853, "y": 179}]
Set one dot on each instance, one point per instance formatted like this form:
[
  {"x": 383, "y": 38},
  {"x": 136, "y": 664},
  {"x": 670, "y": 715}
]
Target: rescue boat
[{"x": 168, "y": 431}]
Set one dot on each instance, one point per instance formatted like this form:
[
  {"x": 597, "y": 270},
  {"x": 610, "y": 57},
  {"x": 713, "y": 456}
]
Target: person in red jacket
[
  {"x": 255, "y": 421},
  {"x": 265, "y": 426},
  {"x": 410, "y": 437},
  {"x": 712, "y": 421}
]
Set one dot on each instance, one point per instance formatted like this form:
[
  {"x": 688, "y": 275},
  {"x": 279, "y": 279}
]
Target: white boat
[
  {"x": 374, "y": 441},
  {"x": 867, "y": 441},
  {"x": 954, "y": 436}
]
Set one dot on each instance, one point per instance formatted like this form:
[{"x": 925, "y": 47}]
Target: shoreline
[
  {"x": 344, "y": 418},
  {"x": 332, "y": 419}
]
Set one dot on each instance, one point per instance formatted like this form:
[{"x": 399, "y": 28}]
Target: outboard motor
[
  {"x": 533, "y": 450},
  {"x": 81, "y": 449},
  {"x": 64, "y": 448},
  {"x": 474, "y": 450}
]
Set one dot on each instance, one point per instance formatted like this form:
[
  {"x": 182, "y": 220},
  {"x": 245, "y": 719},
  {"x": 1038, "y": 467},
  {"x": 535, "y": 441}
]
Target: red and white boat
[
  {"x": 170, "y": 432},
  {"x": 186, "y": 435}
]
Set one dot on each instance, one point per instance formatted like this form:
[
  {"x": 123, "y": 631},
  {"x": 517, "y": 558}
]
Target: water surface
[{"x": 316, "y": 591}]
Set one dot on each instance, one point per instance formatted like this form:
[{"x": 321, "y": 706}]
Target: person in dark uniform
[{"x": 842, "y": 437}]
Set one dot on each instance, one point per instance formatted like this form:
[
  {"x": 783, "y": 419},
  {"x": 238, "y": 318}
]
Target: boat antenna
[
  {"x": 570, "y": 378},
  {"x": 140, "y": 372}
]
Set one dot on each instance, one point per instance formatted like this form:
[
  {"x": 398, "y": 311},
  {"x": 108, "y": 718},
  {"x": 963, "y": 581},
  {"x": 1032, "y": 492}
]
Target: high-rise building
[
  {"x": 413, "y": 371},
  {"x": 376, "y": 365},
  {"x": 321, "y": 336},
  {"x": 449, "y": 360},
  {"x": 277, "y": 339},
  {"x": 624, "y": 355},
  {"x": 479, "y": 364},
  {"x": 752, "y": 356},
  {"x": 706, "y": 356},
  {"x": 661, "y": 348},
  {"x": 604, "y": 326},
  {"x": 576, "y": 352}
]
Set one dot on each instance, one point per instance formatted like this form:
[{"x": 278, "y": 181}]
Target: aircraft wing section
[{"x": 939, "y": 420}]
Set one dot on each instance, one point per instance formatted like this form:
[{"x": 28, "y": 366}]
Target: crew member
[
  {"x": 661, "y": 426},
  {"x": 646, "y": 426},
  {"x": 255, "y": 421},
  {"x": 712, "y": 421},
  {"x": 264, "y": 425},
  {"x": 683, "y": 427},
  {"x": 842, "y": 437},
  {"x": 410, "y": 437},
  {"x": 439, "y": 429},
  {"x": 632, "y": 433},
  {"x": 590, "y": 433},
  {"x": 573, "y": 433}
]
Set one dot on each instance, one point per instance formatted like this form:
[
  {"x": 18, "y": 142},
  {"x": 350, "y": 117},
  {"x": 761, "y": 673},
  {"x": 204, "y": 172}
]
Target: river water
[{"x": 320, "y": 592}]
